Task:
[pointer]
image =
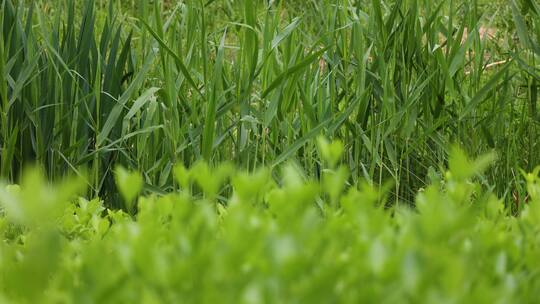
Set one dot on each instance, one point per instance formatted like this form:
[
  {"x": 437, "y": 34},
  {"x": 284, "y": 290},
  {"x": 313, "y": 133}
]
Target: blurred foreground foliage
[{"x": 232, "y": 236}]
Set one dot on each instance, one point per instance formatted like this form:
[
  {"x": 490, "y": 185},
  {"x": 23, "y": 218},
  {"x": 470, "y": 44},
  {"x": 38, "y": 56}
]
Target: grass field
[{"x": 234, "y": 137}]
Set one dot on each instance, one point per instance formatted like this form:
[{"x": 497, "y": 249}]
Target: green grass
[{"x": 91, "y": 86}]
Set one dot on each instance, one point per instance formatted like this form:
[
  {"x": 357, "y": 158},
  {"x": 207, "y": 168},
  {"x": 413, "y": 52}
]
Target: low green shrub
[{"x": 230, "y": 236}]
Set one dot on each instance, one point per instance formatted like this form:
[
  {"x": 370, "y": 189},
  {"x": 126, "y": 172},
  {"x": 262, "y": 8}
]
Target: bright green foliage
[
  {"x": 291, "y": 240},
  {"x": 330, "y": 151},
  {"x": 129, "y": 185}
]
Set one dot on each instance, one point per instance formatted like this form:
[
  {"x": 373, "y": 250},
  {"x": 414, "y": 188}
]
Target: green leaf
[
  {"x": 297, "y": 67},
  {"x": 299, "y": 143},
  {"x": 484, "y": 91},
  {"x": 112, "y": 119},
  {"x": 286, "y": 32},
  {"x": 129, "y": 184}
]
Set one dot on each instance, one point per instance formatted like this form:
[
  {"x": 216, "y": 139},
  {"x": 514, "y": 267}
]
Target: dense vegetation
[
  {"x": 86, "y": 86},
  {"x": 296, "y": 240},
  {"x": 317, "y": 136}
]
